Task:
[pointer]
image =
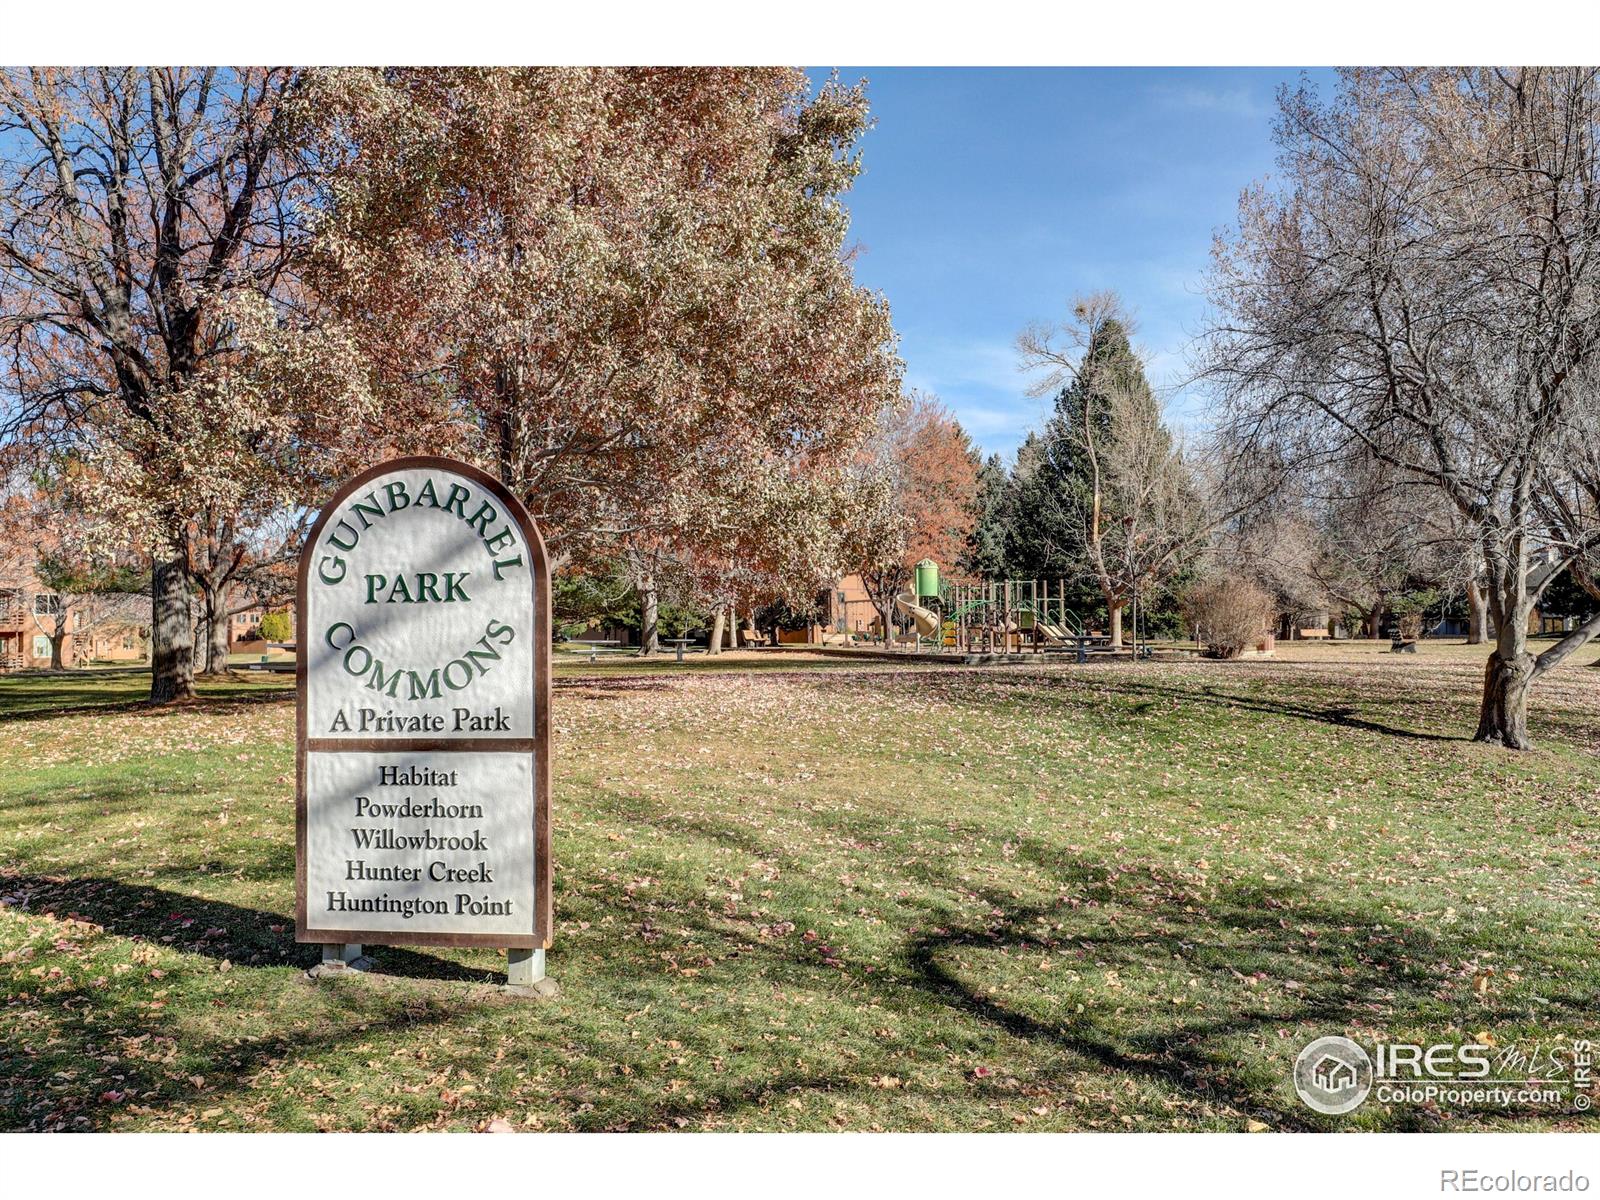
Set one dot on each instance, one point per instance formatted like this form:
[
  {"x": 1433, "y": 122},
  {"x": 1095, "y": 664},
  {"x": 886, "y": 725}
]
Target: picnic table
[
  {"x": 1082, "y": 642},
  {"x": 677, "y": 644},
  {"x": 595, "y": 646}
]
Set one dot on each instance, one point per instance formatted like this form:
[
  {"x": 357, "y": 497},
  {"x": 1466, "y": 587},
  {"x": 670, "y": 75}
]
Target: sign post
[{"x": 422, "y": 803}]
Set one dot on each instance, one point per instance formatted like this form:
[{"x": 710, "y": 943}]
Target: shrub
[
  {"x": 1230, "y": 614},
  {"x": 275, "y": 627}
]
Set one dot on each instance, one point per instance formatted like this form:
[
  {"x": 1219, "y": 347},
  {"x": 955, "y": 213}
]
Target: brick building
[
  {"x": 106, "y": 628},
  {"x": 244, "y": 628},
  {"x": 848, "y": 612}
]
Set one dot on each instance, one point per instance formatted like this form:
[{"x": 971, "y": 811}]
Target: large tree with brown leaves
[
  {"x": 152, "y": 322},
  {"x": 623, "y": 290}
]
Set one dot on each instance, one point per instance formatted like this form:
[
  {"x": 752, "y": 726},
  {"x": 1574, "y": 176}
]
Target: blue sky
[{"x": 992, "y": 196}]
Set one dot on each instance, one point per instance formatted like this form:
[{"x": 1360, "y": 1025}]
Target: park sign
[{"x": 422, "y": 811}]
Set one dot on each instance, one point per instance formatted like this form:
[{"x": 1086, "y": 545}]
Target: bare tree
[
  {"x": 1229, "y": 613},
  {"x": 1277, "y": 548},
  {"x": 1426, "y": 288},
  {"x": 105, "y": 615},
  {"x": 1142, "y": 473},
  {"x": 1378, "y": 536}
]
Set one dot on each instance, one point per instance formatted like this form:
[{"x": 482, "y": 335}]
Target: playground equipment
[
  {"x": 1008, "y": 616},
  {"x": 926, "y": 620}
]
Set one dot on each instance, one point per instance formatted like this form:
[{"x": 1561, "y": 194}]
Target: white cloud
[
  {"x": 978, "y": 380},
  {"x": 1229, "y": 101}
]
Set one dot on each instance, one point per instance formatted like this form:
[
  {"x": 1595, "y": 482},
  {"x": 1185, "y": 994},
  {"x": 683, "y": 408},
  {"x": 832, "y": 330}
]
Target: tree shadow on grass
[
  {"x": 1273, "y": 957},
  {"x": 1344, "y": 716},
  {"x": 23, "y": 705},
  {"x": 193, "y": 925},
  {"x": 1574, "y": 726},
  {"x": 1341, "y": 965},
  {"x": 598, "y": 687},
  {"x": 1185, "y": 1058},
  {"x": 1046, "y": 687},
  {"x": 88, "y": 1029}
]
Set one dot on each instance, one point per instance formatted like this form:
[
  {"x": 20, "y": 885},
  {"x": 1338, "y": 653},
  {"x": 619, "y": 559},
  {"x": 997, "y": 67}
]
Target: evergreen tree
[
  {"x": 1104, "y": 496},
  {"x": 985, "y": 553},
  {"x": 1056, "y": 509}
]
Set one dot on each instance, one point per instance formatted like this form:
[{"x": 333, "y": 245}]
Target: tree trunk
[
  {"x": 1503, "y": 717},
  {"x": 650, "y": 610},
  {"x": 1503, "y": 714},
  {"x": 886, "y": 617},
  {"x": 1114, "y": 618},
  {"x": 1477, "y": 614},
  {"x": 58, "y": 639},
  {"x": 719, "y": 618},
  {"x": 171, "y": 635},
  {"x": 1375, "y": 621},
  {"x": 201, "y": 636},
  {"x": 212, "y": 622},
  {"x": 216, "y": 632},
  {"x": 219, "y": 646}
]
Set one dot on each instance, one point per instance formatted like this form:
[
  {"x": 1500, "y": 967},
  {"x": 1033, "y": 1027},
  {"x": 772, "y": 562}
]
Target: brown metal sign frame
[{"x": 538, "y": 745}]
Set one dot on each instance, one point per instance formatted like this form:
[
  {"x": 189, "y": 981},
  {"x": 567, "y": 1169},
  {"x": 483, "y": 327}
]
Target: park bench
[
  {"x": 267, "y": 663},
  {"x": 1314, "y": 633}
]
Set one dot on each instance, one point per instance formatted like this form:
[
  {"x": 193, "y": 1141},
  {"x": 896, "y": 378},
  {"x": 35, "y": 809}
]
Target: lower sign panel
[{"x": 420, "y": 844}]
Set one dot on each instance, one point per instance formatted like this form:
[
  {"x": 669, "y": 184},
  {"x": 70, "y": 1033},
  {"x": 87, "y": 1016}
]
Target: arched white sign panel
[{"x": 423, "y": 647}]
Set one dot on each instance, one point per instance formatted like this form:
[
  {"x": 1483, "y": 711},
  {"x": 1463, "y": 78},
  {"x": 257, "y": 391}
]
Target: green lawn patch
[{"x": 826, "y": 896}]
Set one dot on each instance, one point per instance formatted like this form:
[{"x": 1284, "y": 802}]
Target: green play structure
[{"x": 1005, "y": 616}]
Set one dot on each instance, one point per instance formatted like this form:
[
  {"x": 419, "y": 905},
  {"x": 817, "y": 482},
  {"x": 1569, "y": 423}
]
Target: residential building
[
  {"x": 103, "y": 628},
  {"x": 848, "y": 613},
  {"x": 244, "y": 628}
]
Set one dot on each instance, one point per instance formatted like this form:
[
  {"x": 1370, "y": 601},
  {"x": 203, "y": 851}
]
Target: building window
[
  {"x": 46, "y": 605},
  {"x": 41, "y": 646},
  {"x": 127, "y": 641}
]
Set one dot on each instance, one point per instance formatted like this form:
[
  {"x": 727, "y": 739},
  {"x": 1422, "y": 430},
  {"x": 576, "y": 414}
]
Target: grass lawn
[{"x": 825, "y": 895}]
